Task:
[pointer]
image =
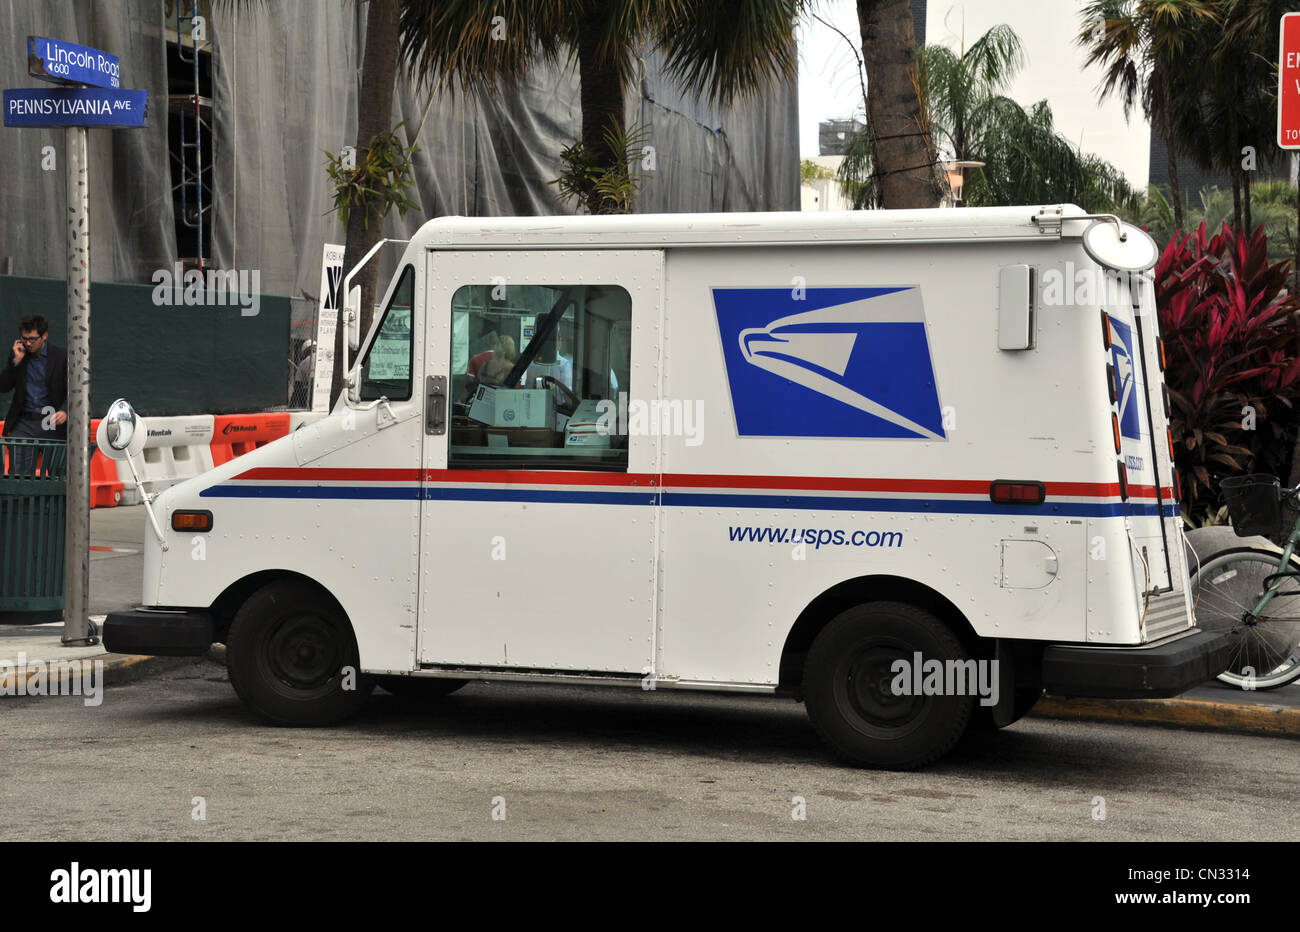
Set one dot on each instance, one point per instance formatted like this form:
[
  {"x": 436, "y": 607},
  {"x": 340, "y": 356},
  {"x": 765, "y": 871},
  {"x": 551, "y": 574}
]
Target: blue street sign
[
  {"x": 76, "y": 106},
  {"x": 67, "y": 63}
]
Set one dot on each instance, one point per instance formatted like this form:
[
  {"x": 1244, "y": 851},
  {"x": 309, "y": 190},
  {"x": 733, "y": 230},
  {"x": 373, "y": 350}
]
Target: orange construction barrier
[
  {"x": 237, "y": 434},
  {"x": 105, "y": 485}
]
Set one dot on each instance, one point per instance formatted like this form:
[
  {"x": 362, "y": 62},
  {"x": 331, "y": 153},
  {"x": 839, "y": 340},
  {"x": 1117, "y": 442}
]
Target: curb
[
  {"x": 118, "y": 670},
  {"x": 1253, "y": 719}
]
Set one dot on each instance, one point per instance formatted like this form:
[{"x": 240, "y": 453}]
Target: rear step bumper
[
  {"x": 159, "y": 633},
  {"x": 1149, "y": 671}
]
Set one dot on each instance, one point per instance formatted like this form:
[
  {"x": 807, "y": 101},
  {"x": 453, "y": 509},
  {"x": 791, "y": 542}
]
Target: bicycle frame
[{"x": 1274, "y": 581}]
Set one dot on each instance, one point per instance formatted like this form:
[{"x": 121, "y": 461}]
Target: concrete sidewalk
[{"x": 117, "y": 540}]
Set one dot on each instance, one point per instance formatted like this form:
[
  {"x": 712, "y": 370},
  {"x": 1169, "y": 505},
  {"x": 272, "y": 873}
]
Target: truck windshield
[{"x": 386, "y": 369}]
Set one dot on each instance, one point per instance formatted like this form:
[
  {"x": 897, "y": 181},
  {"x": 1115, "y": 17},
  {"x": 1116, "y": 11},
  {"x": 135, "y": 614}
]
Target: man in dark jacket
[{"x": 37, "y": 373}]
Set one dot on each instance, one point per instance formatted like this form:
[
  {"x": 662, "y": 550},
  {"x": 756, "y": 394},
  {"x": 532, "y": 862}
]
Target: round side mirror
[
  {"x": 1127, "y": 250},
  {"x": 122, "y": 432},
  {"x": 121, "y": 424}
]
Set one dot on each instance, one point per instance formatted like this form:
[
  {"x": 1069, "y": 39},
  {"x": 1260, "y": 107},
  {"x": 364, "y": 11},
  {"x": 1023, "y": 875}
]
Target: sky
[{"x": 829, "y": 86}]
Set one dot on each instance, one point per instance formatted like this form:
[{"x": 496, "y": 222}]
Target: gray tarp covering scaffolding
[{"x": 284, "y": 92}]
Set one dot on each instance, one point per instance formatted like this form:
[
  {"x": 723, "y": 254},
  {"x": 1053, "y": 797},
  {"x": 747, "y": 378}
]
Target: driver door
[{"x": 538, "y": 518}]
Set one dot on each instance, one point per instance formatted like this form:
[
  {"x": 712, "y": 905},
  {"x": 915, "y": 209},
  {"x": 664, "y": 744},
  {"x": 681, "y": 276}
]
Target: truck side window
[
  {"x": 386, "y": 370},
  {"x": 536, "y": 371}
]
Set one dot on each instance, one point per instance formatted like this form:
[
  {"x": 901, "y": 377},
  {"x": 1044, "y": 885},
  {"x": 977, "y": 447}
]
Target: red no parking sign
[{"x": 1288, "y": 92}]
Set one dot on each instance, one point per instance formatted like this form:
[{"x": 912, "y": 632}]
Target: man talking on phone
[{"x": 37, "y": 374}]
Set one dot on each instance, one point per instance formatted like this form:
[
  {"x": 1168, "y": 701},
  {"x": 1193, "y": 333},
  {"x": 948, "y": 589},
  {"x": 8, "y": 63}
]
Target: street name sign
[
  {"x": 1288, "y": 91},
  {"x": 68, "y": 63},
  {"x": 76, "y": 106}
]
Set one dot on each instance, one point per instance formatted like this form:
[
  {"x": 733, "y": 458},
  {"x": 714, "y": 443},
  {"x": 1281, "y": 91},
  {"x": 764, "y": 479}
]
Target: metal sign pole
[{"x": 76, "y": 621}]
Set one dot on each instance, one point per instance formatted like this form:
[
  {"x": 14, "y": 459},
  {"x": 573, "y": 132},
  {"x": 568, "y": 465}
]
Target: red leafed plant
[{"x": 1232, "y": 343}]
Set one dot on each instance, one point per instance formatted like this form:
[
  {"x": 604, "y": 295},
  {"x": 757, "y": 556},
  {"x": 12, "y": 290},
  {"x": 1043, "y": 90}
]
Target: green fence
[
  {"x": 206, "y": 359},
  {"x": 33, "y": 515}
]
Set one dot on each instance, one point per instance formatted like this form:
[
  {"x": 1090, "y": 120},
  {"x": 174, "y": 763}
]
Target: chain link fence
[{"x": 302, "y": 352}]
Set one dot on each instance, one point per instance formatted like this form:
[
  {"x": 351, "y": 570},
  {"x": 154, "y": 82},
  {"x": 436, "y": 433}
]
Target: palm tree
[
  {"x": 1143, "y": 47},
  {"x": 1241, "y": 91},
  {"x": 374, "y": 117},
  {"x": 1028, "y": 162},
  {"x": 959, "y": 85},
  {"x": 902, "y": 152},
  {"x": 723, "y": 50}
]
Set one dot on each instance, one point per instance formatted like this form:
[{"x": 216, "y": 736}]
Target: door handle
[{"x": 435, "y": 405}]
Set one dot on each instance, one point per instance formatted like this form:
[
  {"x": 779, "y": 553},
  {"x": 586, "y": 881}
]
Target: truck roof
[{"x": 616, "y": 231}]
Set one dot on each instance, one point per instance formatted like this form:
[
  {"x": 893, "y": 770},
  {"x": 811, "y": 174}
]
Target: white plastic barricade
[{"x": 177, "y": 448}]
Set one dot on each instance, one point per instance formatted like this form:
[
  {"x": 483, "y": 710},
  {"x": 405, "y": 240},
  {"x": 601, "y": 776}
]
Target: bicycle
[{"x": 1254, "y": 593}]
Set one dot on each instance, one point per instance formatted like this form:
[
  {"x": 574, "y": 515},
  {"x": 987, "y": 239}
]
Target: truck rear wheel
[
  {"x": 293, "y": 658},
  {"x": 863, "y": 707}
]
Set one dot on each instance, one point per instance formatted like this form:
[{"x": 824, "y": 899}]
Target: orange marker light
[
  {"x": 192, "y": 521},
  {"x": 1114, "y": 423}
]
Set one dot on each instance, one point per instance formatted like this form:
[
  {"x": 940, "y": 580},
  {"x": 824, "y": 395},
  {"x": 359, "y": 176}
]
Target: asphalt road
[{"x": 585, "y": 763}]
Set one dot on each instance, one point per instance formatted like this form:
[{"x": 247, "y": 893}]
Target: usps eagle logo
[
  {"x": 1126, "y": 385},
  {"x": 829, "y": 362}
]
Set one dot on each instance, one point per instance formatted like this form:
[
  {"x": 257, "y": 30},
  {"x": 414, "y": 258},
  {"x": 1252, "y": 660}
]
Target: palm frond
[
  {"x": 728, "y": 50},
  {"x": 477, "y": 45}
]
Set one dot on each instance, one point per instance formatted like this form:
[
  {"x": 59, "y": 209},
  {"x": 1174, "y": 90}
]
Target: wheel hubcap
[
  {"x": 303, "y": 652},
  {"x": 867, "y": 690}
]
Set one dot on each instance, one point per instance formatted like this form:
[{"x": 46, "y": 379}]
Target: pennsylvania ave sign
[{"x": 89, "y": 106}]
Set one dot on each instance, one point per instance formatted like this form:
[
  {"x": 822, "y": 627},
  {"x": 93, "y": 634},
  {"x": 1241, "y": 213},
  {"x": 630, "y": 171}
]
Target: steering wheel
[{"x": 570, "y": 399}]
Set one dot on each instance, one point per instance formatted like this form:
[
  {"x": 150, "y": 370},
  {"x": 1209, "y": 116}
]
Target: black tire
[
  {"x": 847, "y": 687},
  {"x": 292, "y": 656},
  {"x": 418, "y": 688}
]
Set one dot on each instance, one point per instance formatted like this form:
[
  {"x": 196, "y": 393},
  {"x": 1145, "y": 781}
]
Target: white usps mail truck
[{"x": 909, "y": 467}]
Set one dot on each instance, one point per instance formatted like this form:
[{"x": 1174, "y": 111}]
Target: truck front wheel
[
  {"x": 293, "y": 658},
  {"x": 868, "y": 698}
]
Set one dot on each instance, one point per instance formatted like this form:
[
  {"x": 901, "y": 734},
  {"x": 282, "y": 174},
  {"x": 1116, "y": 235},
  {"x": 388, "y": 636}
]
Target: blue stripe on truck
[{"x": 688, "y": 499}]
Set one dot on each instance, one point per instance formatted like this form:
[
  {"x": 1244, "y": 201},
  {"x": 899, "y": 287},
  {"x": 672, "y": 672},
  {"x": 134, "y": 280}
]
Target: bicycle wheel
[{"x": 1226, "y": 591}]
